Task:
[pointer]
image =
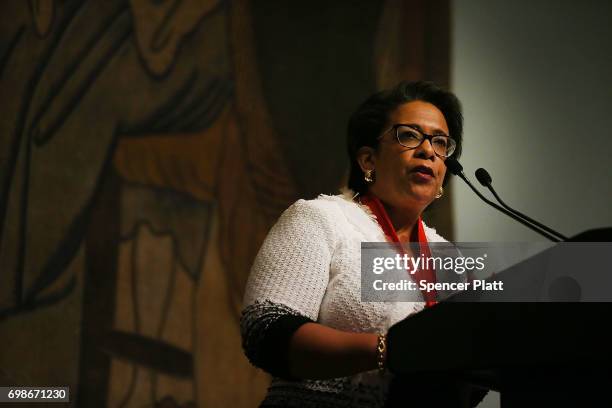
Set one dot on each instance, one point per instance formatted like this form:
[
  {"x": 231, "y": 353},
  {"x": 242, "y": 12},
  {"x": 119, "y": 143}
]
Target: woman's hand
[{"x": 320, "y": 352}]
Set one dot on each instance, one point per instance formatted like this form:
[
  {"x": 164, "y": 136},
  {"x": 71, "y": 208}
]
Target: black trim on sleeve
[
  {"x": 267, "y": 329},
  {"x": 276, "y": 344}
]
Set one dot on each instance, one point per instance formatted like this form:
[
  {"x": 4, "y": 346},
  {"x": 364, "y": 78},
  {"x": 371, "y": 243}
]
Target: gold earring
[
  {"x": 440, "y": 192},
  {"x": 368, "y": 176}
]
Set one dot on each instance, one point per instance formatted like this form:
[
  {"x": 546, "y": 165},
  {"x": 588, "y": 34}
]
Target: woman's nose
[{"x": 425, "y": 150}]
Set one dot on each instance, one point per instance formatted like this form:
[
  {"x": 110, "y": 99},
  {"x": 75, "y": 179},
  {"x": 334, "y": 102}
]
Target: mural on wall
[{"x": 146, "y": 147}]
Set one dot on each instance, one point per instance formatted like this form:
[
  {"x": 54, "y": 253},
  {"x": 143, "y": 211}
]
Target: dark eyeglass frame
[{"x": 450, "y": 141}]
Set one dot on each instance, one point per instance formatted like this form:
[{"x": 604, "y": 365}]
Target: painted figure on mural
[
  {"x": 141, "y": 168},
  {"x": 165, "y": 95}
]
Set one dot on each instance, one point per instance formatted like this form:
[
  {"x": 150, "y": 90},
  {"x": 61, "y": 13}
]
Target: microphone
[
  {"x": 484, "y": 178},
  {"x": 457, "y": 169}
]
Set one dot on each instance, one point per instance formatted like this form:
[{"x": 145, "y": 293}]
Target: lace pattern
[{"x": 309, "y": 268}]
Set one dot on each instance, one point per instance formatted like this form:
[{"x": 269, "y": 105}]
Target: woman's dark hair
[{"x": 367, "y": 122}]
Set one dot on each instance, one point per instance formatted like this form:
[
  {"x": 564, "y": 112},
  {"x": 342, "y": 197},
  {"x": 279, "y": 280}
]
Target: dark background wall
[{"x": 318, "y": 80}]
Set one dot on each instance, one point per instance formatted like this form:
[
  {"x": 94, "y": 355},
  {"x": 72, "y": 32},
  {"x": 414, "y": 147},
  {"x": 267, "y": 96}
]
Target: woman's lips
[
  {"x": 423, "y": 173},
  {"x": 422, "y": 176}
]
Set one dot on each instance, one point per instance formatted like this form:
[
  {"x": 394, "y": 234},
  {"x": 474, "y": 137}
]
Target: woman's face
[{"x": 409, "y": 178}]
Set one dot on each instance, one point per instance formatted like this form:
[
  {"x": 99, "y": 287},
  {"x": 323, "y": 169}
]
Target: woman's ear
[{"x": 366, "y": 158}]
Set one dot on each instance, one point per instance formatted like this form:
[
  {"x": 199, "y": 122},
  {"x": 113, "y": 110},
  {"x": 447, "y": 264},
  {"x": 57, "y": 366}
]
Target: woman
[{"x": 304, "y": 321}]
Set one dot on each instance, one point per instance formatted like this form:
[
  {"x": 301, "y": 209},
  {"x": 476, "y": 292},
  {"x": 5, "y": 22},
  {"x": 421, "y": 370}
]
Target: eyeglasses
[{"x": 411, "y": 138}]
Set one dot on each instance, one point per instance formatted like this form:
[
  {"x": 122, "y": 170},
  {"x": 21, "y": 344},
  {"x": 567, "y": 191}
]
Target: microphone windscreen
[
  {"x": 483, "y": 177},
  {"x": 453, "y": 166}
]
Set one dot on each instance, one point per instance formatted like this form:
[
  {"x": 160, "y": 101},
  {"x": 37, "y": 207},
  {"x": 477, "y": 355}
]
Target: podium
[{"x": 541, "y": 348}]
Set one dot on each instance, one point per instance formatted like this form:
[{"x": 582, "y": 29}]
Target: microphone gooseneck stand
[
  {"x": 457, "y": 169},
  {"x": 485, "y": 180}
]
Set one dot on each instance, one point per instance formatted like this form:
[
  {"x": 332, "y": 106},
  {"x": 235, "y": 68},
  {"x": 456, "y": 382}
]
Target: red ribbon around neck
[{"x": 418, "y": 235}]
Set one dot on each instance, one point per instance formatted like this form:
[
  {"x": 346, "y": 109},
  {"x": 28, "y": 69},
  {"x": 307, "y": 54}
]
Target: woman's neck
[{"x": 404, "y": 220}]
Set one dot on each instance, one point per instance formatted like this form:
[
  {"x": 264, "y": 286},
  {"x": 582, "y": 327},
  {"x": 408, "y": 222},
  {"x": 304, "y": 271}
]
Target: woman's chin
[
  {"x": 424, "y": 194},
  {"x": 417, "y": 199}
]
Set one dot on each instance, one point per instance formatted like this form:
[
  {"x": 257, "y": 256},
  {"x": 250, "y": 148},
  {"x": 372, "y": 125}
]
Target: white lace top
[{"x": 309, "y": 265}]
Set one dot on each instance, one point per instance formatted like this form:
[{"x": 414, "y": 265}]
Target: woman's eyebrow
[{"x": 420, "y": 129}]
